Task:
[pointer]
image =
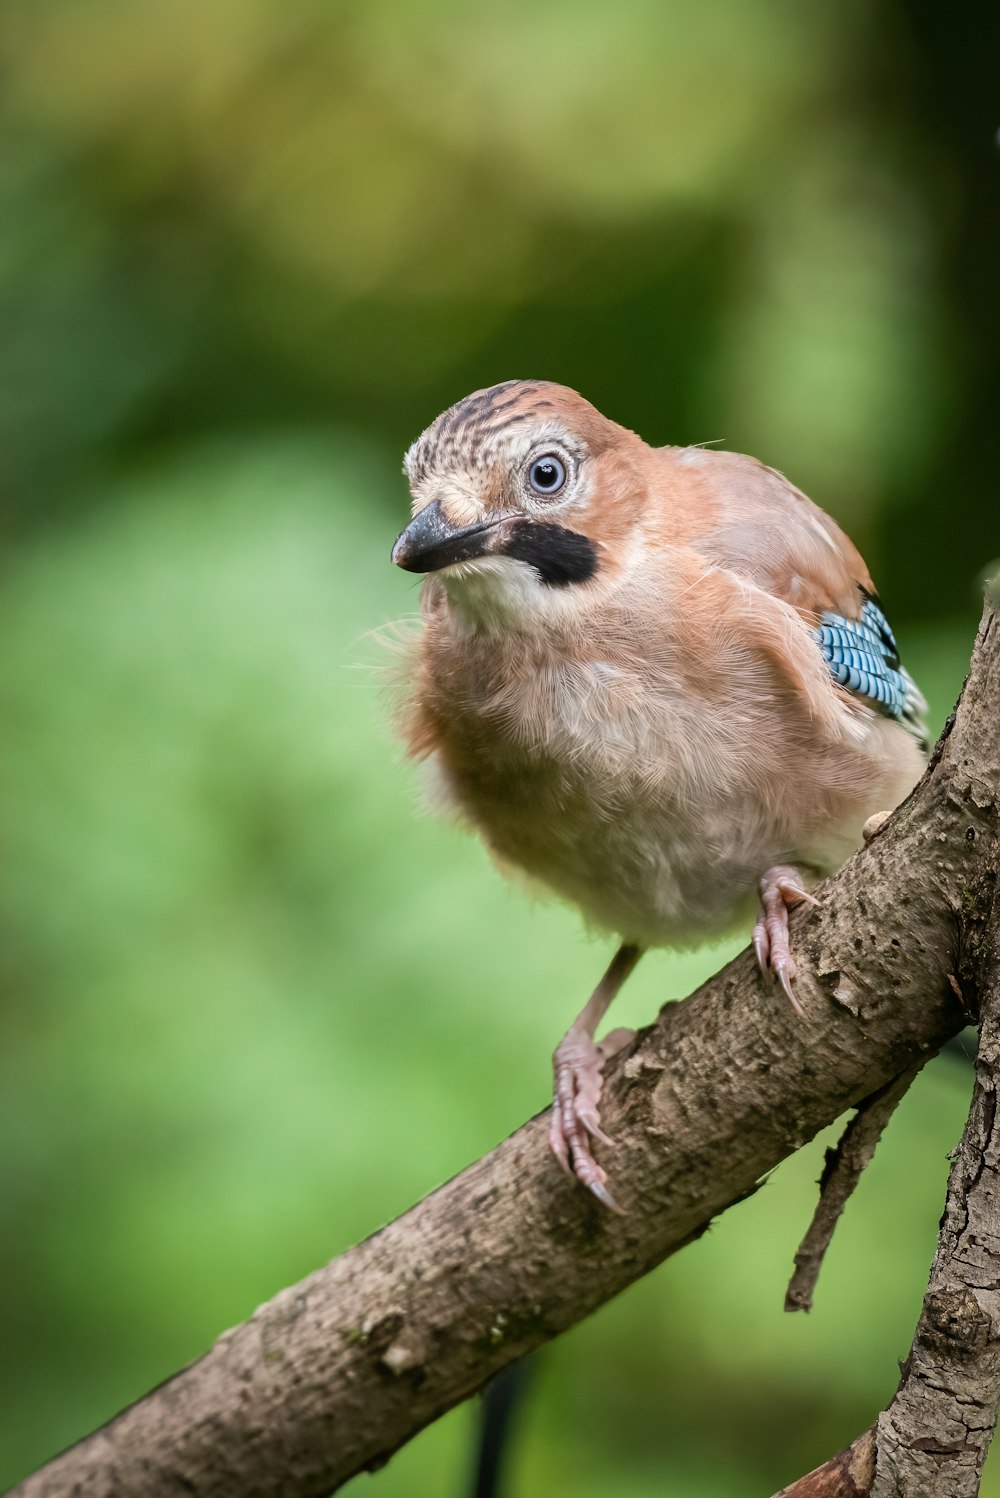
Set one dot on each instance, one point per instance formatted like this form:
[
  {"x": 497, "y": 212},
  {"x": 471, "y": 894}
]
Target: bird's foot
[
  {"x": 874, "y": 824},
  {"x": 780, "y": 889},
  {"x": 578, "y": 1064}
]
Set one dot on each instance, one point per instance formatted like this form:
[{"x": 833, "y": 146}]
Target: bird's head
[{"x": 523, "y": 494}]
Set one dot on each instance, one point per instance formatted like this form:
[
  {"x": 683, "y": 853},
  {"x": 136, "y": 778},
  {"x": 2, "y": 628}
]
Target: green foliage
[
  {"x": 253, "y": 1002},
  {"x": 719, "y": 221}
]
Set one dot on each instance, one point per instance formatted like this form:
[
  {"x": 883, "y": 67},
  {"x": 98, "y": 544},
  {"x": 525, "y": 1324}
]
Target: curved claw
[
  {"x": 558, "y": 1146},
  {"x": 598, "y": 1189},
  {"x": 762, "y": 948},
  {"x": 794, "y": 894},
  {"x": 589, "y": 1118},
  {"x": 785, "y": 972}
]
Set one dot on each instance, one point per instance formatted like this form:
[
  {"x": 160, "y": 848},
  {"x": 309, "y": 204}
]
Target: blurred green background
[{"x": 254, "y": 1004}]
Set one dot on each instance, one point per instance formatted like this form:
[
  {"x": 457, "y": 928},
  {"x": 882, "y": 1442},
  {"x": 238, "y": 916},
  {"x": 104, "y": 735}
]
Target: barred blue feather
[{"x": 863, "y": 657}]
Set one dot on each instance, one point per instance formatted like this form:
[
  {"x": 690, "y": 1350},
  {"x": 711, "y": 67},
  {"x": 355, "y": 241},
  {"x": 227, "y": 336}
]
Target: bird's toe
[
  {"x": 600, "y": 1190},
  {"x": 590, "y": 1118},
  {"x": 576, "y": 1118},
  {"x": 762, "y": 946},
  {"x": 781, "y": 889}
]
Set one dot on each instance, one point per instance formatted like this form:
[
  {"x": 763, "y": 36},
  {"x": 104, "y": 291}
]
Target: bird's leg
[
  {"x": 578, "y": 1064},
  {"x": 780, "y": 889}
]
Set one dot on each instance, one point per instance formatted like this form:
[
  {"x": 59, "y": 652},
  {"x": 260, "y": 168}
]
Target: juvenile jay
[{"x": 658, "y": 681}]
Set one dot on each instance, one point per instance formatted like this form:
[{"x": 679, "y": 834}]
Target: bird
[{"x": 657, "y": 681}]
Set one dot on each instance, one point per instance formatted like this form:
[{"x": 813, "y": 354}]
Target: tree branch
[
  {"x": 334, "y": 1374},
  {"x": 847, "y": 1475},
  {"x": 932, "y": 1440},
  {"x": 842, "y": 1170}
]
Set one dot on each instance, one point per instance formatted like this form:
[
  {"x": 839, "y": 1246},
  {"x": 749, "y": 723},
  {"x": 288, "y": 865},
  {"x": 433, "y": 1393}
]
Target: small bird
[{"x": 657, "y": 681}]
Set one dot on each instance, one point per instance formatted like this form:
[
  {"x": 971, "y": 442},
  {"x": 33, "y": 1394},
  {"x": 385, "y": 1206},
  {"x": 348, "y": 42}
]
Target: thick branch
[
  {"x": 335, "y": 1373},
  {"x": 933, "y": 1439}
]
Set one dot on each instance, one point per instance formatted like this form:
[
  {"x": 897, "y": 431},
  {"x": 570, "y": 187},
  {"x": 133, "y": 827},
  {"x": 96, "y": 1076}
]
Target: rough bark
[
  {"x": 338, "y": 1371},
  {"x": 932, "y": 1440}
]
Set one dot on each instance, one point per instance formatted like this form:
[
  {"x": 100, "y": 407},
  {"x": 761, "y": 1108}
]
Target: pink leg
[
  {"x": 578, "y": 1064},
  {"x": 780, "y": 889}
]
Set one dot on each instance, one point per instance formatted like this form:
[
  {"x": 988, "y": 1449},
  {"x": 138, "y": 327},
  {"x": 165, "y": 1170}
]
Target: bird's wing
[{"x": 759, "y": 526}]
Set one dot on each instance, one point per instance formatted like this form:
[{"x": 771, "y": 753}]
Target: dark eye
[{"x": 547, "y": 474}]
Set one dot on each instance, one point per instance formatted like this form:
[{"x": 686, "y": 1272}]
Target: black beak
[{"x": 429, "y": 542}]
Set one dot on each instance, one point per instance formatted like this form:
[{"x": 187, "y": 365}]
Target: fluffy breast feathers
[{"x": 714, "y": 694}]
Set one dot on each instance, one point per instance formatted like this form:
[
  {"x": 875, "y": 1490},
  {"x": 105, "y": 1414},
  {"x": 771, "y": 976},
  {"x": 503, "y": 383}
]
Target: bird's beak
[{"x": 430, "y": 542}]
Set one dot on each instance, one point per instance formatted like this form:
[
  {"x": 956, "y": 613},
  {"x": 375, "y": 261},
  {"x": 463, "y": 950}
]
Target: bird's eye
[{"x": 547, "y": 474}]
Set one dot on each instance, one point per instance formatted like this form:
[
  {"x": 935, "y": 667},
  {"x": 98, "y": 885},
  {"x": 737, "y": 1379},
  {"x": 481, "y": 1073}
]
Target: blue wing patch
[{"x": 862, "y": 656}]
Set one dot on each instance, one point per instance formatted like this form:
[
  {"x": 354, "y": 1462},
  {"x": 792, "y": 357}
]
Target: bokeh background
[{"x": 253, "y": 1003}]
